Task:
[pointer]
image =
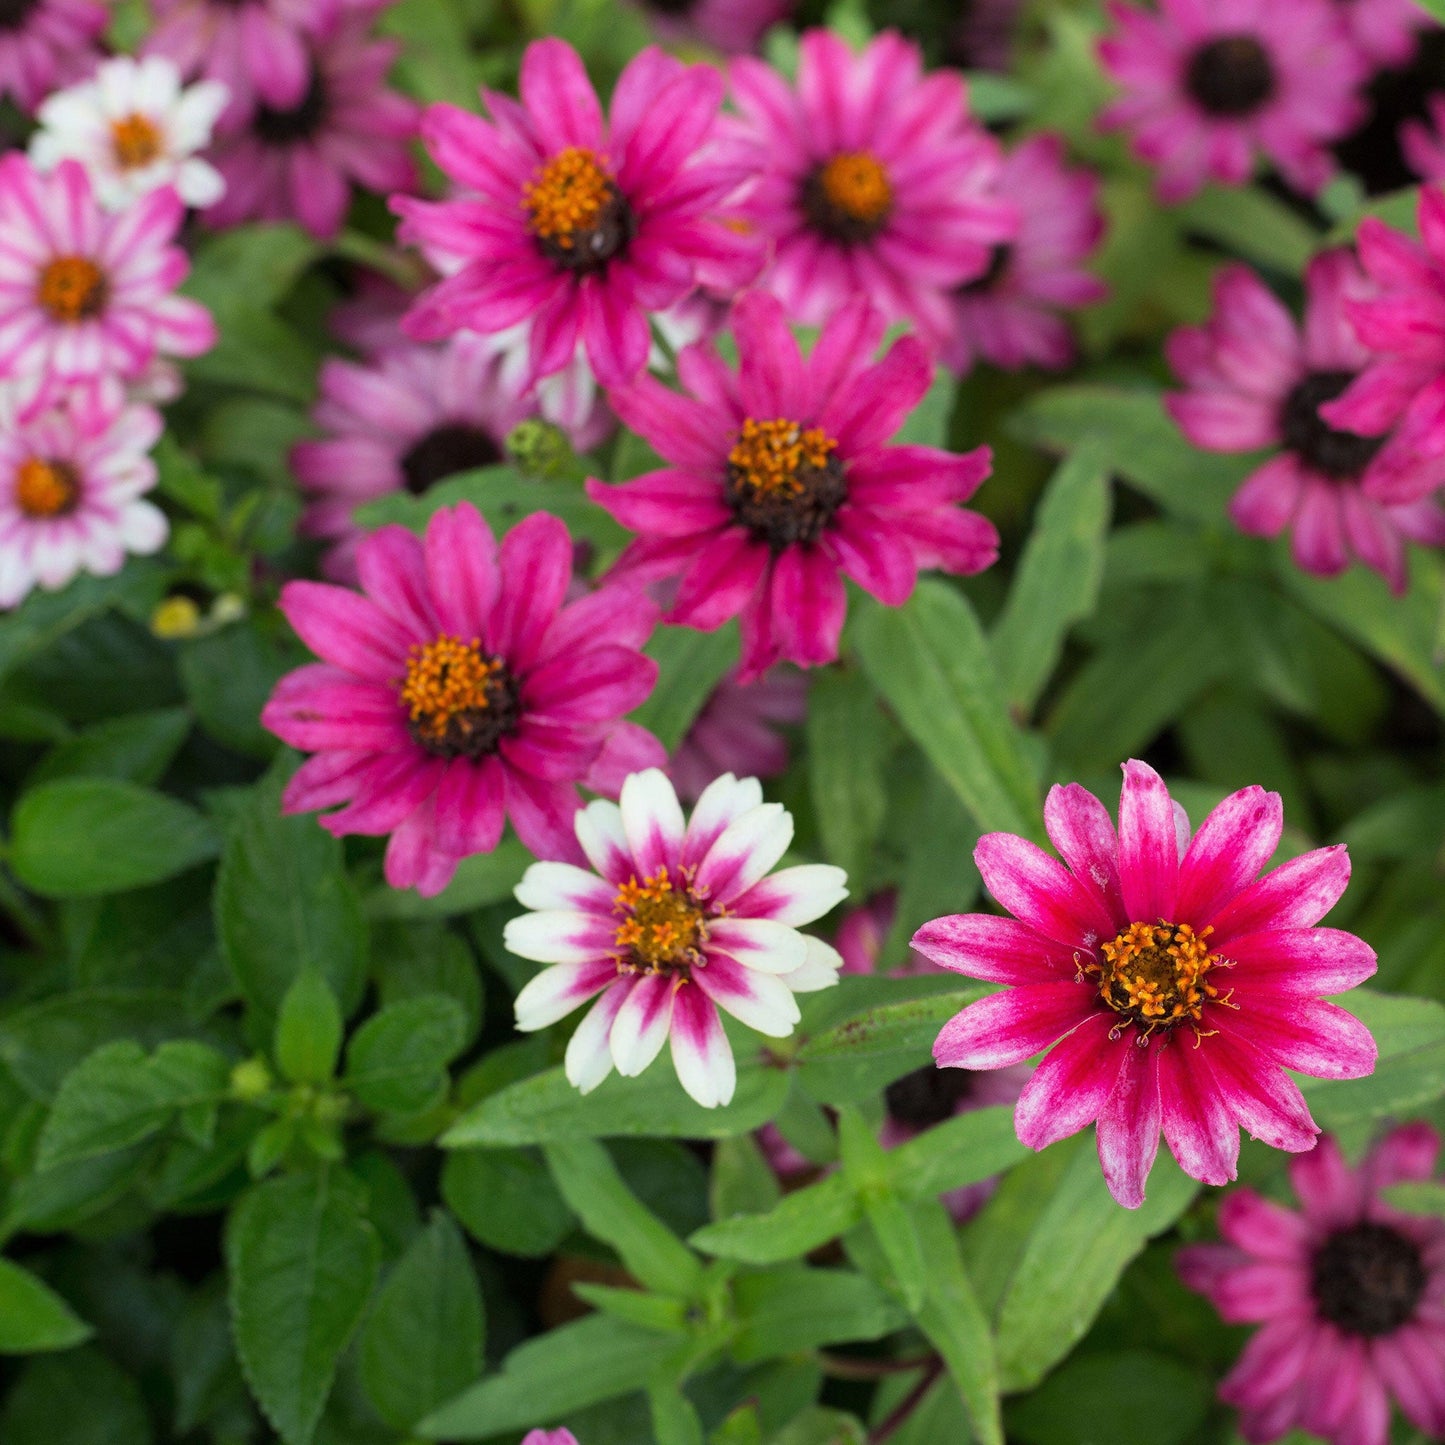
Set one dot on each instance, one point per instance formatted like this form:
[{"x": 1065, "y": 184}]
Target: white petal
[
  {"x": 819, "y": 971},
  {"x": 700, "y": 1050},
  {"x": 556, "y": 991},
  {"x": 563, "y": 886},
  {"x": 599, "y": 831},
  {"x": 642, "y": 1024},
  {"x": 589, "y": 1059},
  {"x": 797, "y": 895},
  {"x": 652, "y": 820},
  {"x": 759, "y": 943},
  {"x": 760, "y": 1001},
  {"x": 558, "y": 937},
  {"x": 748, "y": 849},
  {"x": 723, "y": 800}
]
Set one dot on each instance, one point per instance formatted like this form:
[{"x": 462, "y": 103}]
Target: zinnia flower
[
  {"x": 780, "y": 480},
  {"x": 1350, "y": 1293},
  {"x": 577, "y": 224},
  {"x": 737, "y": 731},
  {"x": 1208, "y": 83},
  {"x": 1422, "y": 144},
  {"x": 678, "y": 919},
  {"x": 871, "y": 179},
  {"x": 87, "y": 296},
  {"x": 298, "y": 161},
  {"x": 72, "y": 482},
  {"x": 1259, "y": 380},
  {"x": 1009, "y": 315},
  {"x": 456, "y": 691},
  {"x": 45, "y": 44},
  {"x": 1175, "y": 987},
  {"x": 1385, "y": 32},
  {"x": 728, "y": 25},
  {"x": 549, "y": 1437},
  {"x": 134, "y": 128}
]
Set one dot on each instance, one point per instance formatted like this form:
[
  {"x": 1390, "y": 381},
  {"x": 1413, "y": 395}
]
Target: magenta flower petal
[
  {"x": 1200, "y": 1128},
  {"x": 997, "y": 950},
  {"x": 1040, "y": 891},
  {"x": 1007, "y": 1028},
  {"x": 1070, "y": 1087},
  {"x": 1233, "y": 843},
  {"x": 1080, "y": 827},
  {"x": 1128, "y": 1132},
  {"x": 1148, "y": 844}
]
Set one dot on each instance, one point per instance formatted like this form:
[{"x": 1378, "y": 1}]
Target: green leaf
[
  {"x": 284, "y": 905},
  {"x": 962, "y": 1150},
  {"x": 117, "y": 1096},
  {"x": 78, "y": 1399},
  {"x": 566, "y": 1369},
  {"x": 1252, "y": 223},
  {"x": 227, "y": 677},
  {"x": 507, "y": 1200},
  {"x": 481, "y": 880},
  {"x": 308, "y": 1030},
  {"x": 137, "y": 748},
  {"x": 740, "y": 1180},
  {"x": 1058, "y": 577},
  {"x": 302, "y": 1261},
  {"x": 690, "y": 664},
  {"x": 397, "y": 1060},
  {"x": 930, "y": 660},
  {"x": 423, "y": 1339},
  {"x": 80, "y": 837},
  {"x": 797, "y": 1308},
  {"x": 546, "y": 1107},
  {"x": 1418, "y": 1198},
  {"x": 927, "y": 423},
  {"x": 847, "y": 747},
  {"x": 674, "y": 1421},
  {"x": 821, "y": 1425},
  {"x": 799, "y": 1223},
  {"x": 610, "y": 1211},
  {"x": 33, "y": 1317}
]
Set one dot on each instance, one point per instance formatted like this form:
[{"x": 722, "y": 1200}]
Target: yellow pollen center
[
  {"x": 136, "y": 139},
  {"x": 72, "y": 288},
  {"x": 448, "y": 684},
  {"x": 1157, "y": 974},
  {"x": 45, "y": 489},
  {"x": 567, "y": 196},
  {"x": 661, "y": 925},
  {"x": 857, "y": 185},
  {"x": 769, "y": 455}
]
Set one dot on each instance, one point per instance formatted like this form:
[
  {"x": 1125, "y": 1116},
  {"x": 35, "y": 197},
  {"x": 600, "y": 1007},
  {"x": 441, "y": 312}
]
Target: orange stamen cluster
[
  {"x": 136, "y": 139},
  {"x": 567, "y": 196},
  {"x": 1156, "y": 974},
  {"x": 857, "y": 185},
  {"x": 72, "y": 288},
  {"x": 769, "y": 455},
  {"x": 45, "y": 488},
  {"x": 662, "y": 924},
  {"x": 448, "y": 681}
]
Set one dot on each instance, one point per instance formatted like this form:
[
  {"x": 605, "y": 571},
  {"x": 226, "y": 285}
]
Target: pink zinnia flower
[
  {"x": 1258, "y": 380},
  {"x": 678, "y": 919},
  {"x": 780, "y": 481},
  {"x": 580, "y": 224},
  {"x": 457, "y": 691},
  {"x": 1349, "y": 1290},
  {"x": 299, "y": 161},
  {"x": 72, "y": 483},
  {"x": 45, "y": 44},
  {"x": 737, "y": 731},
  {"x": 1423, "y": 145},
  {"x": 549, "y": 1437},
  {"x": 1208, "y": 83},
  {"x": 1385, "y": 32},
  {"x": 872, "y": 180},
  {"x": 256, "y": 48},
  {"x": 1175, "y": 987},
  {"x": 1009, "y": 315},
  {"x": 85, "y": 295},
  {"x": 728, "y": 25}
]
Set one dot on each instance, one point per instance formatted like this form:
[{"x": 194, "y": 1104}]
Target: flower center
[
  {"x": 579, "y": 217},
  {"x": 1230, "y": 76},
  {"x": 46, "y": 488},
  {"x": 1156, "y": 975},
  {"x": 848, "y": 198},
  {"x": 1367, "y": 1279},
  {"x": 461, "y": 702},
  {"x": 662, "y": 924},
  {"x": 1340, "y": 455},
  {"x": 445, "y": 451},
  {"x": 298, "y": 123},
  {"x": 73, "y": 288},
  {"x": 137, "y": 141},
  {"x": 928, "y": 1096},
  {"x": 784, "y": 481},
  {"x": 14, "y": 13}
]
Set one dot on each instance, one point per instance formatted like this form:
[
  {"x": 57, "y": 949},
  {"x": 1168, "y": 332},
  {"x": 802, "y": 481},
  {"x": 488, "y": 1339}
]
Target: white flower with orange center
[
  {"x": 681, "y": 917},
  {"x": 134, "y": 127}
]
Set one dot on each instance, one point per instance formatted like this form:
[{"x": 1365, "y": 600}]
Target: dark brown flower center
[
  {"x": 574, "y": 209},
  {"x": 1230, "y": 76},
  {"x": 784, "y": 481},
  {"x": 14, "y": 13},
  {"x": 460, "y": 702},
  {"x": 848, "y": 198},
  {"x": 1368, "y": 1279},
  {"x": 297, "y": 123},
  {"x": 443, "y": 452},
  {"x": 928, "y": 1096},
  {"x": 662, "y": 924},
  {"x": 1156, "y": 975},
  {"x": 1340, "y": 455}
]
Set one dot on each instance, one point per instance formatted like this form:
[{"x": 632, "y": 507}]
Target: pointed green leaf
[{"x": 33, "y": 1317}]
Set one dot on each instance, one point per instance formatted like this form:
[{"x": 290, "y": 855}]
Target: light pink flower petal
[{"x": 1148, "y": 847}]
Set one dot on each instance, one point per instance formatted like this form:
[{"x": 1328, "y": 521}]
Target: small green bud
[
  {"x": 251, "y": 1080},
  {"x": 541, "y": 449}
]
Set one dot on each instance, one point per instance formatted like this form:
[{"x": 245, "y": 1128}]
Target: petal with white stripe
[
  {"x": 796, "y": 895},
  {"x": 642, "y": 1023},
  {"x": 758, "y": 943},
  {"x": 748, "y": 849},
  {"x": 701, "y": 1053},
  {"x": 564, "y": 887},
  {"x": 759, "y": 1000},
  {"x": 653, "y": 822},
  {"x": 556, "y": 991},
  {"x": 559, "y": 937},
  {"x": 589, "y": 1057}
]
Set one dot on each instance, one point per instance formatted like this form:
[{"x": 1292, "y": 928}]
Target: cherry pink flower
[
  {"x": 1009, "y": 315},
  {"x": 457, "y": 691},
  {"x": 1210, "y": 83},
  {"x": 1423, "y": 145},
  {"x": 678, "y": 919},
  {"x": 737, "y": 731},
  {"x": 1349, "y": 1292},
  {"x": 579, "y": 224},
  {"x": 1385, "y": 32},
  {"x": 256, "y": 48},
  {"x": 780, "y": 481},
  {"x": 1403, "y": 323},
  {"x": 1175, "y": 987},
  {"x": 88, "y": 296},
  {"x": 299, "y": 161},
  {"x": 732, "y": 26},
  {"x": 871, "y": 179},
  {"x": 1257, "y": 379},
  {"x": 45, "y": 44},
  {"x": 549, "y": 1437}
]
